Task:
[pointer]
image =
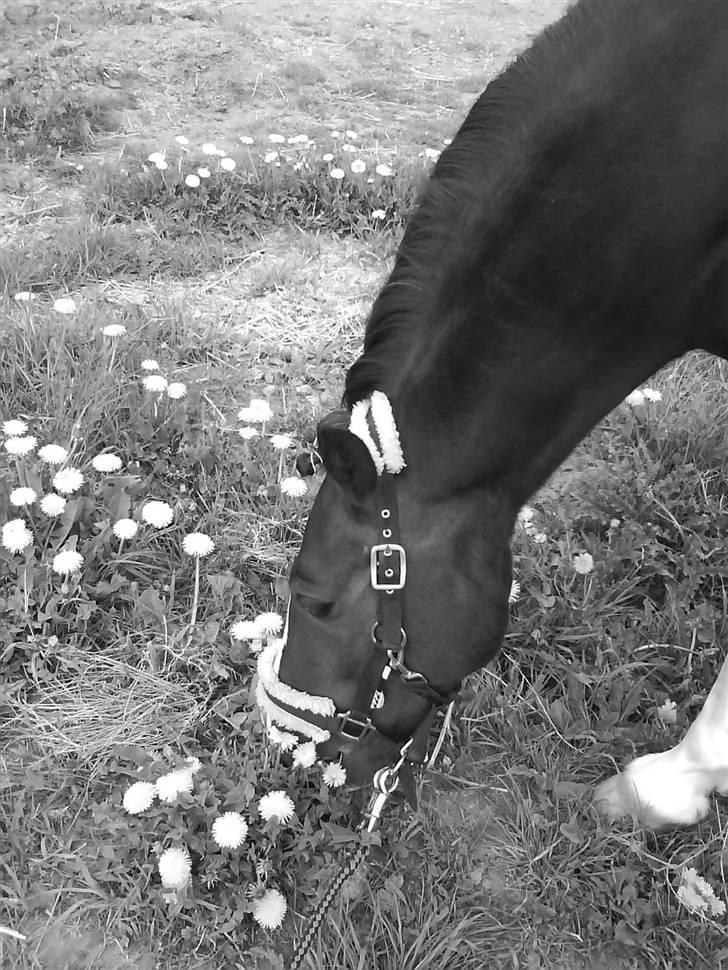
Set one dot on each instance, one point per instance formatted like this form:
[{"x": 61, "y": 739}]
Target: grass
[{"x": 255, "y": 287}]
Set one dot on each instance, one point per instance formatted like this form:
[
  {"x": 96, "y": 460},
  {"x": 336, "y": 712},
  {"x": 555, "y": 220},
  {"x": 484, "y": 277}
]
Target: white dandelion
[
  {"x": 68, "y": 480},
  {"x": 294, "y": 487},
  {"x": 158, "y": 514},
  {"x": 14, "y": 428},
  {"x": 67, "y": 562},
  {"x": 53, "y": 454},
  {"x": 20, "y": 446},
  {"x": 277, "y": 805},
  {"x": 64, "y": 304},
  {"x": 139, "y": 797},
  {"x": 53, "y": 505},
  {"x": 270, "y": 910},
  {"x": 20, "y": 497},
  {"x": 229, "y": 830},
  {"x": 175, "y": 868},
  {"x": 107, "y": 463},
  {"x": 16, "y": 536}
]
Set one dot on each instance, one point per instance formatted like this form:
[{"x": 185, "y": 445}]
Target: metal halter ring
[{"x": 402, "y": 636}]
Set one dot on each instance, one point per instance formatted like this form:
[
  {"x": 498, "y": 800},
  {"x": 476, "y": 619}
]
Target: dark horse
[{"x": 572, "y": 240}]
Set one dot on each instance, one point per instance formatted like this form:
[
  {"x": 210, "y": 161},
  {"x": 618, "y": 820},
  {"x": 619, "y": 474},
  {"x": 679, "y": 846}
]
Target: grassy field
[{"x": 252, "y": 281}]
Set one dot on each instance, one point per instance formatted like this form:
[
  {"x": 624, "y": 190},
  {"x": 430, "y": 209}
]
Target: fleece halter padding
[{"x": 387, "y": 456}]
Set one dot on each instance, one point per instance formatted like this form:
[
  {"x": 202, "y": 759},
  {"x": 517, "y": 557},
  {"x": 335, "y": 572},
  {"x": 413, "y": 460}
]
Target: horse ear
[{"x": 347, "y": 459}]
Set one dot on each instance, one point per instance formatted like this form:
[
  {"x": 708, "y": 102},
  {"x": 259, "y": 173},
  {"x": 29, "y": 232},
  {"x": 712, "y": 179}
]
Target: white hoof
[{"x": 658, "y": 789}]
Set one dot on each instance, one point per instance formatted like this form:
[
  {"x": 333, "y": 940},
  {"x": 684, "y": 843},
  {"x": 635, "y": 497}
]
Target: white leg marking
[{"x": 672, "y": 787}]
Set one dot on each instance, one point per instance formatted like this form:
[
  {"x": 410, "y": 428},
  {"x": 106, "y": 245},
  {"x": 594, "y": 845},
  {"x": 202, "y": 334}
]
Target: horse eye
[{"x": 316, "y": 608}]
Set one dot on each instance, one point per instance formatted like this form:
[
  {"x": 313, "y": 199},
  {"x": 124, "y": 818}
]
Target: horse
[{"x": 571, "y": 240}]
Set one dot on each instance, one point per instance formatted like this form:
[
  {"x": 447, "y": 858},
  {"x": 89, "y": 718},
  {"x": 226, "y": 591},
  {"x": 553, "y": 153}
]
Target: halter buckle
[
  {"x": 360, "y": 723},
  {"x": 388, "y": 566}
]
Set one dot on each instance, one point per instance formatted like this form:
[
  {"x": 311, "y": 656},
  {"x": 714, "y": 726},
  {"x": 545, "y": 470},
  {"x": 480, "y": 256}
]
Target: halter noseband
[{"x": 388, "y": 574}]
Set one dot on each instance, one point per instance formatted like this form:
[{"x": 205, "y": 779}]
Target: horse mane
[{"x": 530, "y": 113}]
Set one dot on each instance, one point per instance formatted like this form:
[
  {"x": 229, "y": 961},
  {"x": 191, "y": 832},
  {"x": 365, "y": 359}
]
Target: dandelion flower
[
  {"x": 21, "y": 446},
  {"x": 284, "y": 739},
  {"x": 651, "y": 394},
  {"x": 667, "y": 712},
  {"x": 175, "y": 868},
  {"x": 53, "y": 454},
  {"x": 16, "y": 535},
  {"x": 227, "y": 164},
  {"x": 22, "y": 496},
  {"x": 139, "y": 797},
  {"x": 358, "y": 166},
  {"x": 182, "y": 140},
  {"x": 155, "y": 383},
  {"x": 247, "y": 432},
  {"x": 525, "y": 517},
  {"x": 149, "y": 364},
  {"x": 114, "y": 330},
  {"x": 53, "y": 505},
  {"x": 698, "y": 895},
  {"x": 204, "y": 173},
  {"x": 379, "y": 214},
  {"x": 125, "y": 528},
  {"x": 209, "y": 148},
  {"x": 269, "y": 623},
  {"x": 230, "y": 830},
  {"x": 260, "y": 410},
  {"x": 155, "y": 157},
  {"x": 276, "y": 139},
  {"x": 539, "y": 538},
  {"x": 106, "y": 463},
  {"x": 515, "y": 593},
  {"x": 614, "y": 524},
  {"x": 67, "y": 562},
  {"x": 294, "y": 487},
  {"x": 328, "y": 157},
  {"x": 270, "y": 157},
  {"x": 246, "y": 140},
  {"x": 334, "y": 774},
  {"x": 305, "y": 755},
  {"x": 158, "y": 514},
  {"x": 192, "y": 181},
  {"x": 65, "y": 304},
  {"x": 349, "y": 148},
  {"x": 193, "y": 764},
  {"x": 197, "y": 544},
  {"x": 583, "y": 563},
  {"x": 172, "y": 784},
  {"x": 383, "y": 170},
  {"x": 270, "y": 909},
  {"x": 278, "y": 805},
  {"x": 67, "y": 481},
  {"x": 246, "y": 630},
  {"x": 432, "y": 153},
  {"x": 14, "y": 428},
  {"x": 337, "y": 173},
  {"x": 281, "y": 441},
  {"x": 24, "y": 296},
  {"x": 161, "y": 165},
  {"x": 635, "y": 399},
  {"x": 176, "y": 390}
]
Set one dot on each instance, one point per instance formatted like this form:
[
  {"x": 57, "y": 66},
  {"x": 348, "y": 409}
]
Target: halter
[{"x": 373, "y": 422}]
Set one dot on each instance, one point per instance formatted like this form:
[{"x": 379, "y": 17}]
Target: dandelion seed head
[
  {"x": 20, "y": 497},
  {"x": 270, "y": 910},
  {"x": 106, "y": 463},
  {"x": 53, "y": 454},
  {"x": 278, "y": 805},
  {"x": 197, "y": 544},
  {"x": 53, "y": 505},
  {"x": 139, "y": 797},
  {"x": 158, "y": 514},
  {"x": 67, "y": 562},
  {"x": 68, "y": 480},
  {"x": 21, "y": 445},
  {"x": 114, "y": 330},
  {"x": 14, "y": 428},
  {"x": 125, "y": 528},
  {"x": 229, "y": 830},
  {"x": 175, "y": 868},
  {"x": 16, "y": 536}
]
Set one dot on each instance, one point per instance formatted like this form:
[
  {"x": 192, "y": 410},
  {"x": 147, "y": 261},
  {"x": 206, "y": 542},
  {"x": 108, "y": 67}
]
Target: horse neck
[{"x": 512, "y": 389}]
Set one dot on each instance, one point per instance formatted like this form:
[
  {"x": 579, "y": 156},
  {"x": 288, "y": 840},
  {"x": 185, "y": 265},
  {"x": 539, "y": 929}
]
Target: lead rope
[{"x": 384, "y": 783}]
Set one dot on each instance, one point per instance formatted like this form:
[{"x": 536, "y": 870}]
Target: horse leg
[{"x": 672, "y": 787}]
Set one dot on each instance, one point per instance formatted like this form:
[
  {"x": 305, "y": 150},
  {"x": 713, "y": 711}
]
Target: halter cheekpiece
[{"x": 373, "y": 422}]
